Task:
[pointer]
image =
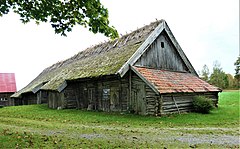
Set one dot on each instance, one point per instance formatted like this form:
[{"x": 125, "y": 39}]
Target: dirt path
[
  {"x": 191, "y": 136},
  {"x": 224, "y": 137}
]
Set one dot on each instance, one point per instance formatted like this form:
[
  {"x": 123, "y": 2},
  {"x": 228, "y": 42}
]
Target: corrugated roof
[
  {"x": 103, "y": 59},
  {"x": 7, "y": 83},
  {"x": 175, "y": 82}
]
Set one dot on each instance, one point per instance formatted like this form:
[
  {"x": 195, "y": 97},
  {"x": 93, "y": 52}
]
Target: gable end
[
  {"x": 162, "y": 27},
  {"x": 163, "y": 55},
  {"x": 123, "y": 70}
]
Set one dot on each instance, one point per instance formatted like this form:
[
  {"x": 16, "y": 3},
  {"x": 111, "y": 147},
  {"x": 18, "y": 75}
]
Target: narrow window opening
[{"x": 162, "y": 44}]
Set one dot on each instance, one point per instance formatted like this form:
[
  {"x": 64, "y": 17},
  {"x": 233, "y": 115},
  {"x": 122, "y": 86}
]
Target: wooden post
[
  {"x": 176, "y": 104},
  {"x": 130, "y": 88},
  {"x": 161, "y": 105}
]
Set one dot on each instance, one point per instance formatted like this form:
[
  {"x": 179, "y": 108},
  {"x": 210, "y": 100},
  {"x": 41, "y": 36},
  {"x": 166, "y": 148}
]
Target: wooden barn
[
  {"x": 7, "y": 88},
  {"x": 145, "y": 72}
]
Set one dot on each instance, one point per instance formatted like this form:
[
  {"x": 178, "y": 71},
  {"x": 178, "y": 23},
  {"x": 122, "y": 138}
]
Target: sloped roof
[
  {"x": 103, "y": 59},
  {"x": 144, "y": 46},
  {"x": 174, "y": 82},
  {"x": 7, "y": 83}
]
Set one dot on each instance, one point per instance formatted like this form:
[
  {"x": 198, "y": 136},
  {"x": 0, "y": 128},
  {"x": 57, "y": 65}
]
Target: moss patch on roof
[{"x": 103, "y": 59}]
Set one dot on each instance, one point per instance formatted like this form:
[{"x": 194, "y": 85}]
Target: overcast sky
[{"x": 207, "y": 30}]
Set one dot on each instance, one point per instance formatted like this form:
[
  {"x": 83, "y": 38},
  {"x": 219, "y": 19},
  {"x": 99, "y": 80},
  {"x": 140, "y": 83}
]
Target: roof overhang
[{"x": 145, "y": 80}]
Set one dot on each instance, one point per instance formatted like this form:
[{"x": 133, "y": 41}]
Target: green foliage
[
  {"x": 202, "y": 104},
  {"x": 232, "y": 82},
  {"x": 63, "y": 14},
  {"x": 37, "y": 126},
  {"x": 237, "y": 72},
  {"x": 218, "y": 77},
  {"x": 205, "y": 73}
]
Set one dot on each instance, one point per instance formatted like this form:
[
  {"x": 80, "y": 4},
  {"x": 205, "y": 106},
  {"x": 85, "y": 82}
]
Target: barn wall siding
[
  {"x": 29, "y": 99},
  {"x": 108, "y": 94},
  {"x": 144, "y": 100},
  {"x": 5, "y": 99},
  {"x": 56, "y": 100},
  {"x": 162, "y": 55},
  {"x": 42, "y": 97}
]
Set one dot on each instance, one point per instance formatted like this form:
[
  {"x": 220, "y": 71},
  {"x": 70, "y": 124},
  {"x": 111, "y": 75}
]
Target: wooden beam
[
  {"x": 130, "y": 88},
  {"x": 176, "y": 104}
]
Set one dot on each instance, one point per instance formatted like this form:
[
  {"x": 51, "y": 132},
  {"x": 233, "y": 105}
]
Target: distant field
[{"x": 36, "y": 126}]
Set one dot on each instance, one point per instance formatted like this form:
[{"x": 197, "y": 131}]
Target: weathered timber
[
  {"x": 145, "y": 72},
  {"x": 159, "y": 57}
]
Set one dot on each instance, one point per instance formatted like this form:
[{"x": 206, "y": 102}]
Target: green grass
[{"x": 37, "y": 126}]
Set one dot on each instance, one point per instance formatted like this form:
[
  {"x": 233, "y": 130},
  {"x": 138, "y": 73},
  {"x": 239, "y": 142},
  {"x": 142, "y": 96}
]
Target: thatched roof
[{"x": 103, "y": 59}]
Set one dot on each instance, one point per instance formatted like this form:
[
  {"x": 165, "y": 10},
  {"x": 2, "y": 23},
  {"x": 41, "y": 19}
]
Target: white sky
[{"x": 207, "y": 30}]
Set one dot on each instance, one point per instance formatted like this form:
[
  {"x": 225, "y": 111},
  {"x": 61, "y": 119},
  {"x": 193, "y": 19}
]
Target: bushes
[{"x": 202, "y": 104}]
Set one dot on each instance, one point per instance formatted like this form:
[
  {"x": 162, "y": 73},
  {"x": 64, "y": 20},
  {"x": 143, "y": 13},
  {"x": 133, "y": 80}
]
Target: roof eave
[{"x": 145, "y": 80}]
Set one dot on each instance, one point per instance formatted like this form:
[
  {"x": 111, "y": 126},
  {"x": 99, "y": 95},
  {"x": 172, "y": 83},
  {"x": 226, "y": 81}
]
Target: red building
[{"x": 7, "y": 88}]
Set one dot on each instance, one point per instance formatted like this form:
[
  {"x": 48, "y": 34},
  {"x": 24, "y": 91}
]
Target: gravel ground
[{"x": 209, "y": 139}]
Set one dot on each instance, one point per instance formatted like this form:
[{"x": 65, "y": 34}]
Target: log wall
[{"x": 181, "y": 103}]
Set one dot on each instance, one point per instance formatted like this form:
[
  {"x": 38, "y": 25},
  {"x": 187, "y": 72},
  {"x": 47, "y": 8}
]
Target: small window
[{"x": 162, "y": 44}]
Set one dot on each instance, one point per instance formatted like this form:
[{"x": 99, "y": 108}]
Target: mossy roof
[{"x": 103, "y": 59}]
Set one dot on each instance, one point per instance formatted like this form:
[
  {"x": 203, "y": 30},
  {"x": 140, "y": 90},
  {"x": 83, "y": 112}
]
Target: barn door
[
  {"x": 141, "y": 103},
  {"x": 105, "y": 99},
  {"x": 114, "y": 99},
  {"x": 92, "y": 99}
]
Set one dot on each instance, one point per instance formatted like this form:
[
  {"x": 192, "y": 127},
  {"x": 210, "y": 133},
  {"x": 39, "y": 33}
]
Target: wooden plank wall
[
  {"x": 70, "y": 99},
  {"x": 56, "y": 100},
  {"x": 42, "y": 97},
  {"x": 5, "y": 99},
  {"x": 149, "y": 98},
  {"x": 29, "y": 99},
  {"x": 89, "y": 95},
  {"x": 162, "y": 55}
]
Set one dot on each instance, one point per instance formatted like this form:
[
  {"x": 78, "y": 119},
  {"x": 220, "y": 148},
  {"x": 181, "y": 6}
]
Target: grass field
[{"x": 36, "y": 126}]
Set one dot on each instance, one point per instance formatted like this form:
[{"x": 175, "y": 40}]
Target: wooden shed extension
[
  {"x": 176, "y": 89},
  {"x": 145, "y": 72}
]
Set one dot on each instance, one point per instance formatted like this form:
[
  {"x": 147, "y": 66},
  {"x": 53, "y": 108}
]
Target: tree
[
  {"x": 231, "y": 82},
  {"x": 63, "y": 14},
  {"x": 218, "y": 77},
  {"x": 205, "y": 73},
  {"x": 237, "y": 71}
]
